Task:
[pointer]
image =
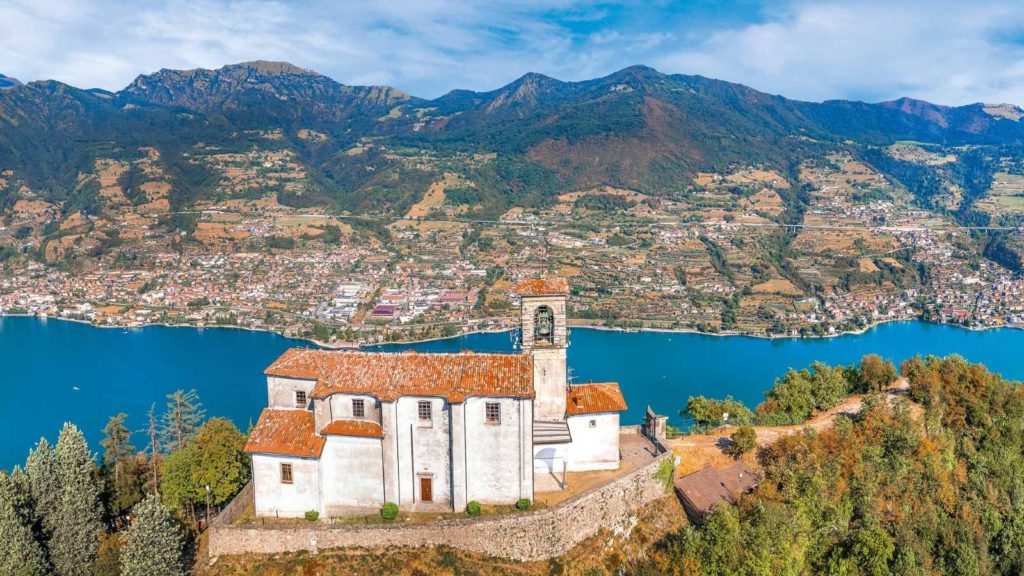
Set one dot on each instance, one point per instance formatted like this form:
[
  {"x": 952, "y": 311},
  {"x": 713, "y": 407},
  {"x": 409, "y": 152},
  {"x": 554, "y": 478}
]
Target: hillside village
[{"x": 714, "y": 260}]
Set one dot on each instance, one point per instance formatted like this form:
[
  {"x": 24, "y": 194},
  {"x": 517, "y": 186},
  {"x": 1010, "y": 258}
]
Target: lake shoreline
[
  {"x": 91, "y": 374},
  {"x": 571, "y": 324}
]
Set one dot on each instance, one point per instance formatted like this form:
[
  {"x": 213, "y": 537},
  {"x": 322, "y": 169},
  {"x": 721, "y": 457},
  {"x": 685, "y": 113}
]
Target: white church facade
[{"x": 347, "y": 431}]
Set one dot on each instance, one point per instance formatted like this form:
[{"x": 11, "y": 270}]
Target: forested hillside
[
  {"x": 883, "y": 493},
  {"x": 371, "y": 148}
]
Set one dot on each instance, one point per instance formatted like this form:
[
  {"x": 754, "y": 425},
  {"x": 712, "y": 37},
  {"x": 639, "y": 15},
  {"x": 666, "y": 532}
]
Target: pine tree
[
  {"x": 182, "y": 420},
  {"x": 153, "y": 545},
  {"x": 121, "y": 471},
  {"x": 75, "y": 543},
  {"x": 44, "y": 487},
  {"x": 154, "y": 450},
  {"x": 20, "y": 554},
  {"x": 116, "y": 440}
]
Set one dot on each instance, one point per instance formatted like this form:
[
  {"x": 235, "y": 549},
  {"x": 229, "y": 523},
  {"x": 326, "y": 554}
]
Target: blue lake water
[{"x": 53, "y": 371}]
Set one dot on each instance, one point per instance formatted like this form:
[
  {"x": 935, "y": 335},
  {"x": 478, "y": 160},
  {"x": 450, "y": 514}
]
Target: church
[{"x": 348, "y": 431}]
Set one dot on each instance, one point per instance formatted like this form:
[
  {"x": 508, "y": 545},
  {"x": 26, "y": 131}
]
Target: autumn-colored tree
[{"x": 876, "y": 373}]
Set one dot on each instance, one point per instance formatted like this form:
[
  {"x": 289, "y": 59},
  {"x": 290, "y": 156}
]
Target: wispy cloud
[
  {"x": 949, "y": 52},
  {"x": 946, "y": 51}
]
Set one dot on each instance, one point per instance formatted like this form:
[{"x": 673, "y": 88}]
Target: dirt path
[{"x": 699, "y": 450}]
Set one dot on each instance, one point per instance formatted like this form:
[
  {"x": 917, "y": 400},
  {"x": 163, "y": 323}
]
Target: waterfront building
[{"x": 349, "y": 431}]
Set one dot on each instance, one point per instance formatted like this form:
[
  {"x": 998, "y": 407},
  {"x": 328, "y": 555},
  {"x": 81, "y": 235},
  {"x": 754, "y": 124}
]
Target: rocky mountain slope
[{"x": 372, "y": 148}]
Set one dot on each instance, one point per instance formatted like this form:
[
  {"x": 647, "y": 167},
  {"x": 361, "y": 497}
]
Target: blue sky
[{"x": 941, "y": 50}]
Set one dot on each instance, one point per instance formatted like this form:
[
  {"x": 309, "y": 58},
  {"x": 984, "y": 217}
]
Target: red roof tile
[
  {"x": 363, "y": 428},
  {"x": 389, "y": 375},
  {"x": 285, "y": 433},
  {"x": 594, "y": 398},
  {"x": 542, "y": 287}
]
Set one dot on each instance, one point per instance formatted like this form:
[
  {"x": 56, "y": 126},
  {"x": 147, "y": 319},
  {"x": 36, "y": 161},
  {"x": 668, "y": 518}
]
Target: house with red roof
[{"x": 346, "y": 431}]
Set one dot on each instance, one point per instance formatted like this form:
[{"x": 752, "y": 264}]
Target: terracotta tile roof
[
  {"x": 708, "y": 486},
  {"x": 285, "y": 433},
  {"x": 363, "y": 428},
  {"x": 388, "y": 375},
  {"x": 542, "y": 287},
  {"x": 594, "y": 398}
]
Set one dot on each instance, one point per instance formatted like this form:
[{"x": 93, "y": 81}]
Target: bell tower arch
[{"x": 545, "y": 338}]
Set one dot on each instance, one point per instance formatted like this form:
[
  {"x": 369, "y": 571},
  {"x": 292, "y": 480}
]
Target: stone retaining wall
[{"x": 525, "y": 536}]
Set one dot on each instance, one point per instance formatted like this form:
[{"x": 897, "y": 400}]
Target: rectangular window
[
  {"x": 358, "y": 409},
  {"x": 423, "y": 411},
  {"x": 492, "y": 413},
  {"x": 300, "y": 399},
  {"x": 593, "y": 423},
  {"x": 286, "y": 473}
]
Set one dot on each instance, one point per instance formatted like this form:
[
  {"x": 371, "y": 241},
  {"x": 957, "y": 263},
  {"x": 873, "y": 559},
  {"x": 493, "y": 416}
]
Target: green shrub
[
  {"x": 523, "y": 504},
  {"x": 312, "y": 515},
  {"x": 473, "y": 508},
  {"x": 389, "y": 511},
  {"x": 744, "y": 440}
]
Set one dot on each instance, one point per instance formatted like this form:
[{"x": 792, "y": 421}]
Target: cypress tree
[
  {"x": 20, "y": 554},
  {"x": 44, "y": 487},
  {"x": 153, "y": 545},
  {"x": 75, "y": 543}
]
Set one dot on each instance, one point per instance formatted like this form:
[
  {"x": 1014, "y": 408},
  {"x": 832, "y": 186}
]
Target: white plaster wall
[
  {"x": 281, "y": 391},
  {"x": 495, "y": 452},
  {"x": 423, "y": 450},
  {"x": 549, "y": 375},
  {"x": 341, "y": 407},
  {"x": 352, "y": 472},
  {"x": 594, "y": 448},
  {"x": 272, "y": 498},
  {"x": 548, "y": 458}
]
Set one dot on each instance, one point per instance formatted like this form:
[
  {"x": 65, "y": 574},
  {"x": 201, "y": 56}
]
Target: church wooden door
[{"x": 426, "y": 490}]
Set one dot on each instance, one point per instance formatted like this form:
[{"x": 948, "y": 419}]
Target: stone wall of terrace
[{"x": 523, "y": 536}]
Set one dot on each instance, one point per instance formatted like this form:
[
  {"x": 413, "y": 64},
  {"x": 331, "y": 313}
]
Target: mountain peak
[
  {"x": 8, "y": 82},
  {"x": 279, "y": 88},
  {"x": 637, "y": 72},
  {"x": 270, "y": 68}
]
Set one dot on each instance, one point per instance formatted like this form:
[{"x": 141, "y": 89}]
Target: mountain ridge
[{"x": 635, "y": 128}]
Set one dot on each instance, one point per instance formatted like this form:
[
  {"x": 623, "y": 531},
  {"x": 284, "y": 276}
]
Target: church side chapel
[{"x": 346, "y": 431}]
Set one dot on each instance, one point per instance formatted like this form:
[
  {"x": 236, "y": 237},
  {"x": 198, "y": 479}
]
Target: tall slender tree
[
  {"x": 20, "y": 554},
  {"x": 76, "y": 535},
  {"x": 153, "y": 545},
  {"x": 154, "y": 450},
  {"x": 44, "y": 487},
  {"x": 116, "y": 442},
  {"x": 121, "y": 471},
  {"x": 182, "y": 420}
]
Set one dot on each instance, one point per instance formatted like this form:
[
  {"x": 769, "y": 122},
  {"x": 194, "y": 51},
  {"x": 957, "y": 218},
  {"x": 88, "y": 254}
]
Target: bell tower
[{"x": 545, "y": 338}]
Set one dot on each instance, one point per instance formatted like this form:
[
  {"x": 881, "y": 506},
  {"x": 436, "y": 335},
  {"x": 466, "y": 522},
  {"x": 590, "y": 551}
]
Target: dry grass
[
  {"x": 433, "y": 197},
  {"x": 776, "y": 286}
]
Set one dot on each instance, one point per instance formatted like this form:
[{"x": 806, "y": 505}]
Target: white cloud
[{"x": 944, "y": 51}]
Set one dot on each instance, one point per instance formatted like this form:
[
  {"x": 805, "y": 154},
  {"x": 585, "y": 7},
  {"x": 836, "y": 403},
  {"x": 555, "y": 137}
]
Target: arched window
[{"x": 544, "y": 325}]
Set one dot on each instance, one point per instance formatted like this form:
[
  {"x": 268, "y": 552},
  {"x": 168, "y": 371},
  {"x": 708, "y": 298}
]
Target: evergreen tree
[
  {"x": 20, "y": 554},
  {"x": 76, "y": 534},
  {"x": 44, "y": 487},
  {"x": 182, "y": 420},
  {"x": 121, "y": 469},
  {"x": 153, "y": 545},
  {"x": 116, "y": 440}
]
